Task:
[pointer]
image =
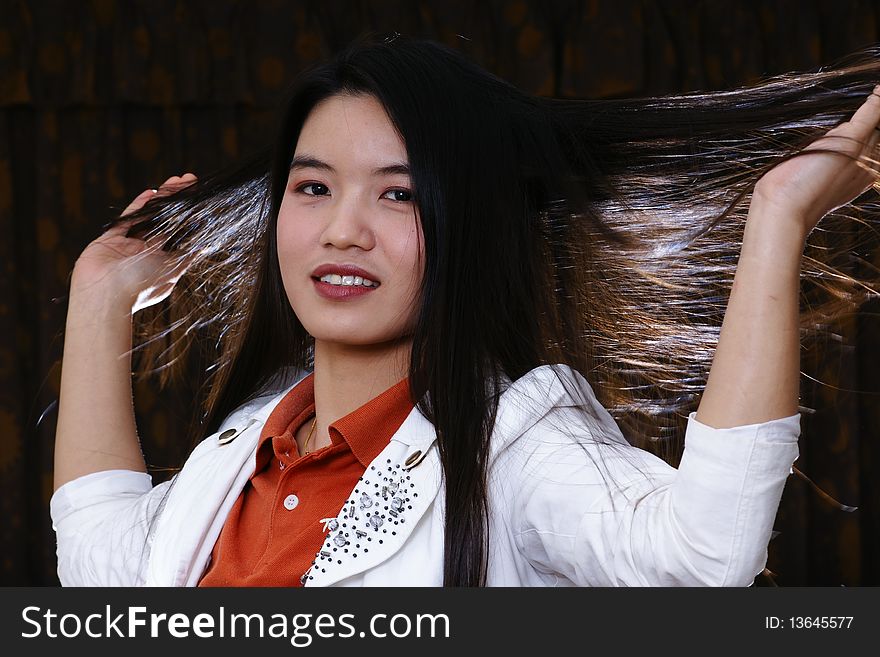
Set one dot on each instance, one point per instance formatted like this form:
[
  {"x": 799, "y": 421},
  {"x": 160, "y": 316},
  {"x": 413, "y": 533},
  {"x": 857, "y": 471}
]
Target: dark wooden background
[{"x": 100, "y": 99}]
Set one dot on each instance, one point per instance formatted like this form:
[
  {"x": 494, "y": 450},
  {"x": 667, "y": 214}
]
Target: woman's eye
[
  {"x": 317, "y": 189},
  {"x": 399, "y": 195}
]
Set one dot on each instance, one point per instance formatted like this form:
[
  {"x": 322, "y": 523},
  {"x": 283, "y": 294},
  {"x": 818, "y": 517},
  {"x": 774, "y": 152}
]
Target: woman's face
[{"x": 348, "y": 215}]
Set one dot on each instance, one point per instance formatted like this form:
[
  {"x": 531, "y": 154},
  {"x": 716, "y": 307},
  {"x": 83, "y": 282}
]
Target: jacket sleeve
[
  {"x": 103, "y": 523},
  {"x": 604, "y": 513}
]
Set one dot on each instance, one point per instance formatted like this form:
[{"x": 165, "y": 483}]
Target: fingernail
[{"x": 154, "y": 190}]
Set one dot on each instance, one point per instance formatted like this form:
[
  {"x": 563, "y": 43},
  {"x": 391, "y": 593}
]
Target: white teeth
[{"x": 337, "y": 279}]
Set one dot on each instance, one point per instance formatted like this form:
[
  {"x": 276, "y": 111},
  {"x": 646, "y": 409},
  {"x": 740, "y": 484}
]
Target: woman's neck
[{"x": 347, "y": 377}]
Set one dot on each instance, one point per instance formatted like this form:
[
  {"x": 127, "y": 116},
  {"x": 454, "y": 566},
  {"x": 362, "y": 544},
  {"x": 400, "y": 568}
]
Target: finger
[
  {"x": 138, "y": 201},
  {"x": 867, "y": 116},
  {"x": 141, "y": 199},
  {"x": 170, "y": 186},
  {"x": 175, "y": 183},
  {"x": 871, "y": 154},
  {"x": 170, "y": 182},
  {"x": 873, "y": 140}
]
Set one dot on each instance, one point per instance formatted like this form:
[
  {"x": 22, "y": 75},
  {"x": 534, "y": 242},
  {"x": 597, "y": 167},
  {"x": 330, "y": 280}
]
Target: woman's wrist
[
  {"x": 772, "y": 227},
  {"x": 97, "y": 304}
]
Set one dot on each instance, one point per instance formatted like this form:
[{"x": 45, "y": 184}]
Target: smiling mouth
[{"x": 347, "y": 281}]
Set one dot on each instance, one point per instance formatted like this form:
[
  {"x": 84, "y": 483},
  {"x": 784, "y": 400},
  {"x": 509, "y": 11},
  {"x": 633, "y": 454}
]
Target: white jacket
[{"x": 598, "y": 513}]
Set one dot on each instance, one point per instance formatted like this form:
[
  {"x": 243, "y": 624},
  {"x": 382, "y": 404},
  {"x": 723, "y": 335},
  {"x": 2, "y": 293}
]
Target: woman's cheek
[{"x": 287, "y": 257}]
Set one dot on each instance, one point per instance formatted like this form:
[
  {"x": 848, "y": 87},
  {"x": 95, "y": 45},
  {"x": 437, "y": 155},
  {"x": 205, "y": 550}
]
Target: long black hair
[{"x": 597, "y": 234}]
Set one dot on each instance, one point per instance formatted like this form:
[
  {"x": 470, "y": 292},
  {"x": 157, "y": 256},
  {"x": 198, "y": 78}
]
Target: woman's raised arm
[
  {"x": 755, "y": 373},
  {"x": 115, "y": 274}
]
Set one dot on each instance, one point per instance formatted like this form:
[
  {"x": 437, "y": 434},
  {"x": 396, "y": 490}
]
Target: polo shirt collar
[{"x": 366, "y": 430}]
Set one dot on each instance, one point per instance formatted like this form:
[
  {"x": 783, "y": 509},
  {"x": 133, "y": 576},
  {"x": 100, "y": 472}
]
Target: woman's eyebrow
[
  {"x": 392, "y": 169},
  {"x": 310, "y": 162}
]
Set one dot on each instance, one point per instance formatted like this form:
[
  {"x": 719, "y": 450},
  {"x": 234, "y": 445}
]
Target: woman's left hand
[{"x": 810, "y": 186}]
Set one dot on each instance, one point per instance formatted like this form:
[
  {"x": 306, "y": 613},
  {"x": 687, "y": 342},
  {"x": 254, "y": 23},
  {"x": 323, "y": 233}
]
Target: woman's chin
[{"x": 341, "y": 339}]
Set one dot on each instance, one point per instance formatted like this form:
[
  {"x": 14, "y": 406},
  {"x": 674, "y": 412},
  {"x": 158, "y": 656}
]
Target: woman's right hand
[{"x": 126, "y": 271}]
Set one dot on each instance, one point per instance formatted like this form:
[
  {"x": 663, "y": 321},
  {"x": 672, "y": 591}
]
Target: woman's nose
[{"x": 348, "y": 224}]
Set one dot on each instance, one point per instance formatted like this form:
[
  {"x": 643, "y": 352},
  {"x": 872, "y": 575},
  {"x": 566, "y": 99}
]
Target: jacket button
[
  {"x": 412, "y": 457},
  {"x": 227, "y": 436}
]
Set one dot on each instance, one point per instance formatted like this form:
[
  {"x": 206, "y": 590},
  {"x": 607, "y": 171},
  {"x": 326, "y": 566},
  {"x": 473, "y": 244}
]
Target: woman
[{"x": 406, "y": 308}]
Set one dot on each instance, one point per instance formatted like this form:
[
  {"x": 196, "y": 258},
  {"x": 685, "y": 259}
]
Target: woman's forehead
[{"x": 351, "y": 130}]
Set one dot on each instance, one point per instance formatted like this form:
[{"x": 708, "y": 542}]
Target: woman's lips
[
  {"x": 341, "y": 292},
  {"x": 343, "y": 270}
]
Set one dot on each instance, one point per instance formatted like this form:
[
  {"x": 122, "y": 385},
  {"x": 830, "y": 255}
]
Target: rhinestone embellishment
[
  {"x": 329, "y": 524},
  {"x": 370, "y": 517}
]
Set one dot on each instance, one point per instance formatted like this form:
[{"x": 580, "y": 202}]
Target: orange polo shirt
[{"x": 274, "y": 530}]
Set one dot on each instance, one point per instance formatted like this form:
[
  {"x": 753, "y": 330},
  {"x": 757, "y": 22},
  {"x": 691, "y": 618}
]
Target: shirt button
[{"x": 290, "y": 502}]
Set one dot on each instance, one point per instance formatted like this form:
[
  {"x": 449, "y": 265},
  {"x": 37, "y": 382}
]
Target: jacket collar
[{"x": 385, "y": 506}]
